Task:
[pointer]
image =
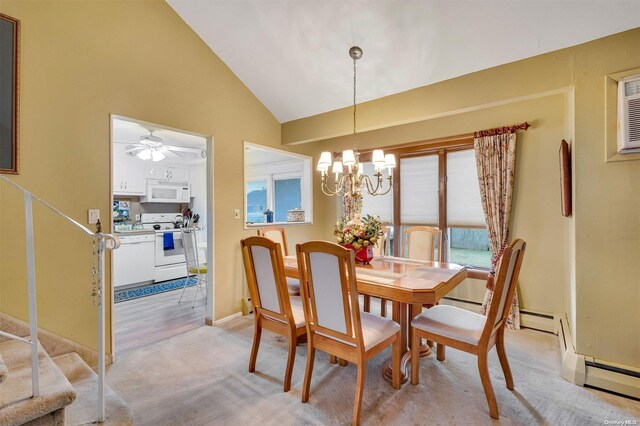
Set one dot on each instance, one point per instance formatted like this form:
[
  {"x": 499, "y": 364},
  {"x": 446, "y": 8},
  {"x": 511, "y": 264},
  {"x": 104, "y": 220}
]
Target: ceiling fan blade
[
  {"x": 134, "y": 149},
  {"x": 184, "y": 149},
  {"x": 170, "y": 151}
]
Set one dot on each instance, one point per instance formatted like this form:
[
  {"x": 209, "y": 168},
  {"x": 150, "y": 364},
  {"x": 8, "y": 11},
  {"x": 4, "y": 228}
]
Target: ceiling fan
[{"x": 152, "y": 147}]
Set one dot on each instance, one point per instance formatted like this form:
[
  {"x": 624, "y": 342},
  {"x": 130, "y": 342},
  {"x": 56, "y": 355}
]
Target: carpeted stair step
[
  {"x": 85, "y": 381},
  {"x": 4, "y": 371},
  {"x": 17, "y": 406}
]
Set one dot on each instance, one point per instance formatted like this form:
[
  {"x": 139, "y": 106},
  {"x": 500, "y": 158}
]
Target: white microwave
[{"x": 162, "y": 191}]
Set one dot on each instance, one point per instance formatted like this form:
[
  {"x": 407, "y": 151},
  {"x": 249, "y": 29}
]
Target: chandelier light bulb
[
  {"x": 378, "y": 158},
  {"x": 348, "y": 158},
  {"x": 325, "y": 160},
  {"x": 390, "y": 161}
]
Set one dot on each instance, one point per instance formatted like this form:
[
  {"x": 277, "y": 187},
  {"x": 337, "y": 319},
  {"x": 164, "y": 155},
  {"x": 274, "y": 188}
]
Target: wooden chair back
[
  {"x": 504, "y": 288},
  {"x": 275, "y": 234},
  {"x": 420, "y": 243},
  {"x": 264, "y": 268},
  {"x": 382, "y": 249},
  {"x": 329, "y": 291}
]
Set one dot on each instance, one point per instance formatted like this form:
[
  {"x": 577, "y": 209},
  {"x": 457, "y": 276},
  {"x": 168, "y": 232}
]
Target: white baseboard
[
  {"x": 229, "y": 318},
  {"x": 573, "y": 367},
  {"x": 588, "y": 371}
]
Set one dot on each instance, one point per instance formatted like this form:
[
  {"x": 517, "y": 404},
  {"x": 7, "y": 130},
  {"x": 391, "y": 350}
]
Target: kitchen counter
[{"x": 135, "y": 232}]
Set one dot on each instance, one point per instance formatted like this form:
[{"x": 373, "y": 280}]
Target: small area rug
[{"x": 149, "y": 290}]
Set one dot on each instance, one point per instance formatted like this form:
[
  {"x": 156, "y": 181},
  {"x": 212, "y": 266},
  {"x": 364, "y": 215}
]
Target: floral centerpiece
[{"x": 359, "y": 234}]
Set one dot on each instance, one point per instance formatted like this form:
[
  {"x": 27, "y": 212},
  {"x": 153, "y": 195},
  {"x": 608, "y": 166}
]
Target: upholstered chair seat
[
  {"x": 471, "y": 332},
  {"x": 293, "y": 285},
  {"x": 453, "y": 323},
  {"x": 375, "y": 329},
  {"x": 274, "y": 308},
  {"x": 296, "y": 308}
]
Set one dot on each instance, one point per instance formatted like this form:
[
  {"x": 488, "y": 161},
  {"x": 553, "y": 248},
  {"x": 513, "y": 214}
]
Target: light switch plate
[
  {"x": 236, "y": 214},
  {"x": 93, "y": 216}
]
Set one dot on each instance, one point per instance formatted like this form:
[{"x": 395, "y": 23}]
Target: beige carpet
[{"x": 201, "y": 378}]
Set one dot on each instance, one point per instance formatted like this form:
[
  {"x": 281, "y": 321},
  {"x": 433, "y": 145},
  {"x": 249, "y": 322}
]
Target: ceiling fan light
[
  {"x": 145, "y": 154},
  {"x": 157, "y": 156}
]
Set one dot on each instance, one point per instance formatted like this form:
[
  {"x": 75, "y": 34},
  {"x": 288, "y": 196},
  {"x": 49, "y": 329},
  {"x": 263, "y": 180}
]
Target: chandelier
[{"x": 348, "y": 171}]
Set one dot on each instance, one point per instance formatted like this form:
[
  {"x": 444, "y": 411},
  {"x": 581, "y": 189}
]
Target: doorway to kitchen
[{"x": 162, "y": 212}]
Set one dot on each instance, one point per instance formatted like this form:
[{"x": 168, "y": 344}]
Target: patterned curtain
[
  {"x": 351, "y": 204},
  {"x": 496, "y": 161}
]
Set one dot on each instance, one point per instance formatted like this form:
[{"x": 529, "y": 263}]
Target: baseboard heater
[{"x": 589, "y": 372}]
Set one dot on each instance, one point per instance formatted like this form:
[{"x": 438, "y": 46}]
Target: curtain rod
[{"x": 500, "y": 130}]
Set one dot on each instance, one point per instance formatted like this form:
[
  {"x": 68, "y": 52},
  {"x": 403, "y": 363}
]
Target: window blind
[
  {"x": 464, "y": 207},
  {"x": 419, "y": 190},
  {"x": 381, "y": 205}
]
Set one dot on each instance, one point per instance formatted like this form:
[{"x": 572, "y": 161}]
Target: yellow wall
[
  {"x": 82, "y": 61},
  {"x": 585, "y": 265}
]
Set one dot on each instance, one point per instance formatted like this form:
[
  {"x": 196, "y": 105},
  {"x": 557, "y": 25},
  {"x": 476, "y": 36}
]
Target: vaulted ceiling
[{"x": 293, "y": 55}]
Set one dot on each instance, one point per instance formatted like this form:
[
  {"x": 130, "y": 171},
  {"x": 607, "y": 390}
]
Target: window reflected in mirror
[{"x": 277, "y": 186}]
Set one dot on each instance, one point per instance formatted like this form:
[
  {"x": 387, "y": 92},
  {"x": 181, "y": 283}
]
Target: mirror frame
[{"x": 9, "y": 52}]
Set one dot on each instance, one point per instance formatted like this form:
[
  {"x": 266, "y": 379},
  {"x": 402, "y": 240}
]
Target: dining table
[{"x": 409, "y": 284}]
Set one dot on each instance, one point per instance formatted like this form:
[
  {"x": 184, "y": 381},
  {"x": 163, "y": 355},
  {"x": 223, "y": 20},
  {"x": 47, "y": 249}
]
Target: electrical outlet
[
  {"x": 93, "y": 216},
  {"x": 236, "y": 213}
]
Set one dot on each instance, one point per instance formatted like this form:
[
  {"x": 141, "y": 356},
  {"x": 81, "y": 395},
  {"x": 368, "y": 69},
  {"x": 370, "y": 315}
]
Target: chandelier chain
[{"x": 354, "y": 104}]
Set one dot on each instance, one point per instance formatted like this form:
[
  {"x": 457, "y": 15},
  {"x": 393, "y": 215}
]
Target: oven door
[{"x": 169, "y": 257}]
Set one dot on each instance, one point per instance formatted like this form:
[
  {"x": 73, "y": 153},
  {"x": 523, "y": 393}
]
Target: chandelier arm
[
  {"x": 325, "y": 187},
  {"x": 388, "y": 189}
]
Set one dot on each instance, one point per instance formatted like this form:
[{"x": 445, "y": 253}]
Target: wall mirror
[
  {"x": 277, "y": 187},
  {"x": 9, "y": 42}
]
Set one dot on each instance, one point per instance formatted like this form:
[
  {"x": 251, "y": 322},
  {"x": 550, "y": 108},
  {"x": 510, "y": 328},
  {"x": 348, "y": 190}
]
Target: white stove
[
  {"x": 164, "y": 220},
  {"x": 169, "y": 250}
]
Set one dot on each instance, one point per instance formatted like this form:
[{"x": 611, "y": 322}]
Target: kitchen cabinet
[
  {"x": 129, "y": 178},
  {"x": 174, "y": 174},
  {"x": 134, "y": 261}
]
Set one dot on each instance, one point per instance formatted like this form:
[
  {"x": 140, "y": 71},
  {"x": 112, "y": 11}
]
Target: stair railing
[{"x": 101, "y": 242}]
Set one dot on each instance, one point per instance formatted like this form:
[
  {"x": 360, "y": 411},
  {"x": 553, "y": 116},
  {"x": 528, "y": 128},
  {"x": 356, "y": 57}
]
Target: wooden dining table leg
[{"x": 400, "y": 315}]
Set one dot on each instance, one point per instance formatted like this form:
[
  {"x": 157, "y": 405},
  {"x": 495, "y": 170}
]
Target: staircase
[
  {"x": 68, "y": 389},
  {"x": 36, "y": 388}
]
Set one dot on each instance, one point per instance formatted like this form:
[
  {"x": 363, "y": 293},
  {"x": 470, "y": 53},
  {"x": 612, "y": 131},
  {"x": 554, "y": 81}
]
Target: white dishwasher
[{"x": 134, "y": 261}]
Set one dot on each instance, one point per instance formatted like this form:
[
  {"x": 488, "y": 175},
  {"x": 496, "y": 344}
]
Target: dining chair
[
  {"x": 471, "y": 332},
  {"x": 195, "y": 269},
  {"x": 381, "y": 249},
  {"x": 277, "y": 234},
  {"x": 419, "y": 243},
  {"x": 335, "y": 324},
  {"x": 274, "y": 309}
]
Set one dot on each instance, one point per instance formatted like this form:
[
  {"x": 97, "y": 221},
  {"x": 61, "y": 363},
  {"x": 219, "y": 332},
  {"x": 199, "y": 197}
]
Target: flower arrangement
[{"x": 358, "y": 232}]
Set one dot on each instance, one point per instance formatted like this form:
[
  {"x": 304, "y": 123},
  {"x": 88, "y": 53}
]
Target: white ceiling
[
  {"x": 255, "y": 156},
  {"x": 293, "y": 55},
  {"x": 128, "y": 131}
]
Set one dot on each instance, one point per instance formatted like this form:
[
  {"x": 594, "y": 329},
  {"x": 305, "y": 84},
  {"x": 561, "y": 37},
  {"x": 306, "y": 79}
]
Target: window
[
  {"x": 437, "y": 185},
  {"x": 278, "y": 181},
  {"x": 256, "y": 200},
  {"x": 468, "y": 239},
  {"x": 288, "y": 196},
  {"x": 419, "y": 183}
]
